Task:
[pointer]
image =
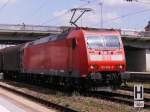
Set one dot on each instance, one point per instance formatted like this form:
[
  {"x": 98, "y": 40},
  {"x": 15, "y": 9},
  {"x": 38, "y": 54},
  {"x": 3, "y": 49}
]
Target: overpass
[
  {"x": 137, "y": 43},
  {"x": 12, "y": 34},
  {"x": 136, "y": 39}
]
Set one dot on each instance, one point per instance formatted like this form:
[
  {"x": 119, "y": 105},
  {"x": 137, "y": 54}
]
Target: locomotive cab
[{"x": 105, "y": 55}]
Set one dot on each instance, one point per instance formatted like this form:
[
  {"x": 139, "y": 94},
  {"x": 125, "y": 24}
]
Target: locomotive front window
[
  {"x": 95, "y": 42},
  {"x": 112, "y": 42},
  {"x": 103, "y": 42}
]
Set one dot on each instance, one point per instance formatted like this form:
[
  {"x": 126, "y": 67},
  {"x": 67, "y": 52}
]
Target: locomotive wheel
[{"x": 116, "y": 81}]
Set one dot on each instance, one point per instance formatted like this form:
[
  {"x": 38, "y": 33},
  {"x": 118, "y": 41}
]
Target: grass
[{"x": 90, "y": 104}]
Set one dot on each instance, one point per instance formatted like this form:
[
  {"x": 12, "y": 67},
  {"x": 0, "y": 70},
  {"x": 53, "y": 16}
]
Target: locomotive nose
[{"x": 106, "y": 61}]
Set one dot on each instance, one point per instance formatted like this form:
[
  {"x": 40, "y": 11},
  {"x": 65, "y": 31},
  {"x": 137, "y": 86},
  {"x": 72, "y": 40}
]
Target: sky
[{"x": 116, "y": 13}]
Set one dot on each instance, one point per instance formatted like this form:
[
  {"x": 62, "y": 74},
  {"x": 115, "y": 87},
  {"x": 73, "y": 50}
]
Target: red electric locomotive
[
  {"x": 77, "y": 57},
  {"x": 95, "y": 55}
]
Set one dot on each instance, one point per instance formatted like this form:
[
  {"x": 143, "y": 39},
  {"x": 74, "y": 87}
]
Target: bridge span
[{"x": 13, "y": 34}]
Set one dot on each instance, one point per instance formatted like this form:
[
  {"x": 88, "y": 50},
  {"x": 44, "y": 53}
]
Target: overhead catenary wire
[
  {"x": 143, "y": 2},
  {"x": 132, "y": 13},
  {"x": 57, "y": 17},
  {"x": 140, "y": 1},
  {"x": 68, "y": 11},
  {"x": 129, "y": 14},
  {"x": 42, "y": 5},
  {"x": 126, "y": 15},
  {"x": 49, "y": 20},
  {"x": 4, "y": 5}
]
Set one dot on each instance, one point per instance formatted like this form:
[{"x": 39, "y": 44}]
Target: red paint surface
[{"x": 59, "y": 55}]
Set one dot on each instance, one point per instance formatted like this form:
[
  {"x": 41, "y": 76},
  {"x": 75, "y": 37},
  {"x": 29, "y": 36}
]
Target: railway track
[
  {"x": 146, "y": 90},
  {"x": 105, "y": 95},
  {"x": 119, "y": 97},
  {"x": 36, "y": 99}
]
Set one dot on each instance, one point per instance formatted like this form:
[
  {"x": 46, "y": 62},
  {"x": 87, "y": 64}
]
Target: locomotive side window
[
  {"x": 41, "y": 40},
  {"x": 103, "y": 42},
  {"x": 74, "y": 43}
]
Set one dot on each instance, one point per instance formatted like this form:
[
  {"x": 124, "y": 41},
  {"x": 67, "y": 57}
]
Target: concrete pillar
[
  {"x": 148, "y": 60},
  {"x": 136, "y": 60}
]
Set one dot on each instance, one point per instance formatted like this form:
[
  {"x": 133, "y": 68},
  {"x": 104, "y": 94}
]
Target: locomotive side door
[{"x": 72, "y": 56}]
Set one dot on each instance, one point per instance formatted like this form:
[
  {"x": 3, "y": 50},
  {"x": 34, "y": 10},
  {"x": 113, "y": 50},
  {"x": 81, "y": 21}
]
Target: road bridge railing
[{"x": 29, "y": 28}]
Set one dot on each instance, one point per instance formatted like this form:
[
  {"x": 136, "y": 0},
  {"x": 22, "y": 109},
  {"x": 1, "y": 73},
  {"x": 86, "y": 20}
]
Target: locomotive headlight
[
  {"x": 119, "y": 66},
  {"x": 94, "y": 66}
]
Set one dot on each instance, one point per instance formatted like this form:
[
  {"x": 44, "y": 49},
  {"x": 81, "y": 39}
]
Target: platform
[{"x": 10, "y": 102}]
